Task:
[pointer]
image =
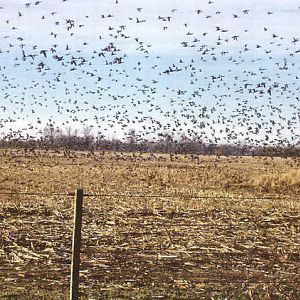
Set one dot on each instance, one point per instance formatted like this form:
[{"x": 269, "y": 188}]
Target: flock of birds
[{"x": 201, "y": 73}]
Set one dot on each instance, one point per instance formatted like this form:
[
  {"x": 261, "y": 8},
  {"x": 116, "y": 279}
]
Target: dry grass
[
  {"x": 171, "y": 247},
  {"x": 51, "y": 172},
  {"x": 288, "y": 181}
]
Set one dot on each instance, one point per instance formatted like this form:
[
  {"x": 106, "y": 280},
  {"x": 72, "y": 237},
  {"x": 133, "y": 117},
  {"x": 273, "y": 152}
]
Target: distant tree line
[{"x": 73, "y": 140}]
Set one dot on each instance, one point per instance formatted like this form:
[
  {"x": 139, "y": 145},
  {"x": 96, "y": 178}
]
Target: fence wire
[
  {"x": 205, "y": 278},
  {"x": 141, "y": 195}
]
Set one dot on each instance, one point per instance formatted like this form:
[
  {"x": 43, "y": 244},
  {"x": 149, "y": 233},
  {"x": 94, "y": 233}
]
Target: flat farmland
[{"x": 155, "y": 226}]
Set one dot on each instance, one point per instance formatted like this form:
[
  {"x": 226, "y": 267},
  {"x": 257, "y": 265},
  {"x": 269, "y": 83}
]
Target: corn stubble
[{"x": 154, "y": 226}]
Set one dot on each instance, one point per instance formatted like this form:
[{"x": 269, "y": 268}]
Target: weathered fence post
[{"x": 74, "y": 283}]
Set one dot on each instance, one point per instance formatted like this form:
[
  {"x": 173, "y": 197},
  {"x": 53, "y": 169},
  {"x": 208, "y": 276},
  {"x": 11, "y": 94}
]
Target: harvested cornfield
[{"x": 153, "y": 227}]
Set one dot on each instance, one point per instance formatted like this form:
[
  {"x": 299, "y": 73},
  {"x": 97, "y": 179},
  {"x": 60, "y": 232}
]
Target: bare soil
[{"x": 153, "y": 227}]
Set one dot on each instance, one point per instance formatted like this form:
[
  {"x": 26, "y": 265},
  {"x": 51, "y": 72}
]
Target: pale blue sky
[{"x": 234, "y": 67}]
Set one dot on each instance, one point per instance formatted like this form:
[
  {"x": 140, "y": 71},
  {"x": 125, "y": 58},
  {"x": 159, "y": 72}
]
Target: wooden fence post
[{"x": 74, "y": 283}]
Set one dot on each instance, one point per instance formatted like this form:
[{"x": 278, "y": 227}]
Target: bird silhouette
[{"x": 215, "y": 75}]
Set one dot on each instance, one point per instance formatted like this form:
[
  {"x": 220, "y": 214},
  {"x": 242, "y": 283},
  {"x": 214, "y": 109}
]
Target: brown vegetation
[{"x": 208, "y": 230}]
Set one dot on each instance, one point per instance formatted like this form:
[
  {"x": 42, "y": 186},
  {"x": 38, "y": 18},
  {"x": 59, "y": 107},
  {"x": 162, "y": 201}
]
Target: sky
[{"x": 216, "y": 71}]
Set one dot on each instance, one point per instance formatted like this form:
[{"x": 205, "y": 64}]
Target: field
[{"x": 154, "y": 226}]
